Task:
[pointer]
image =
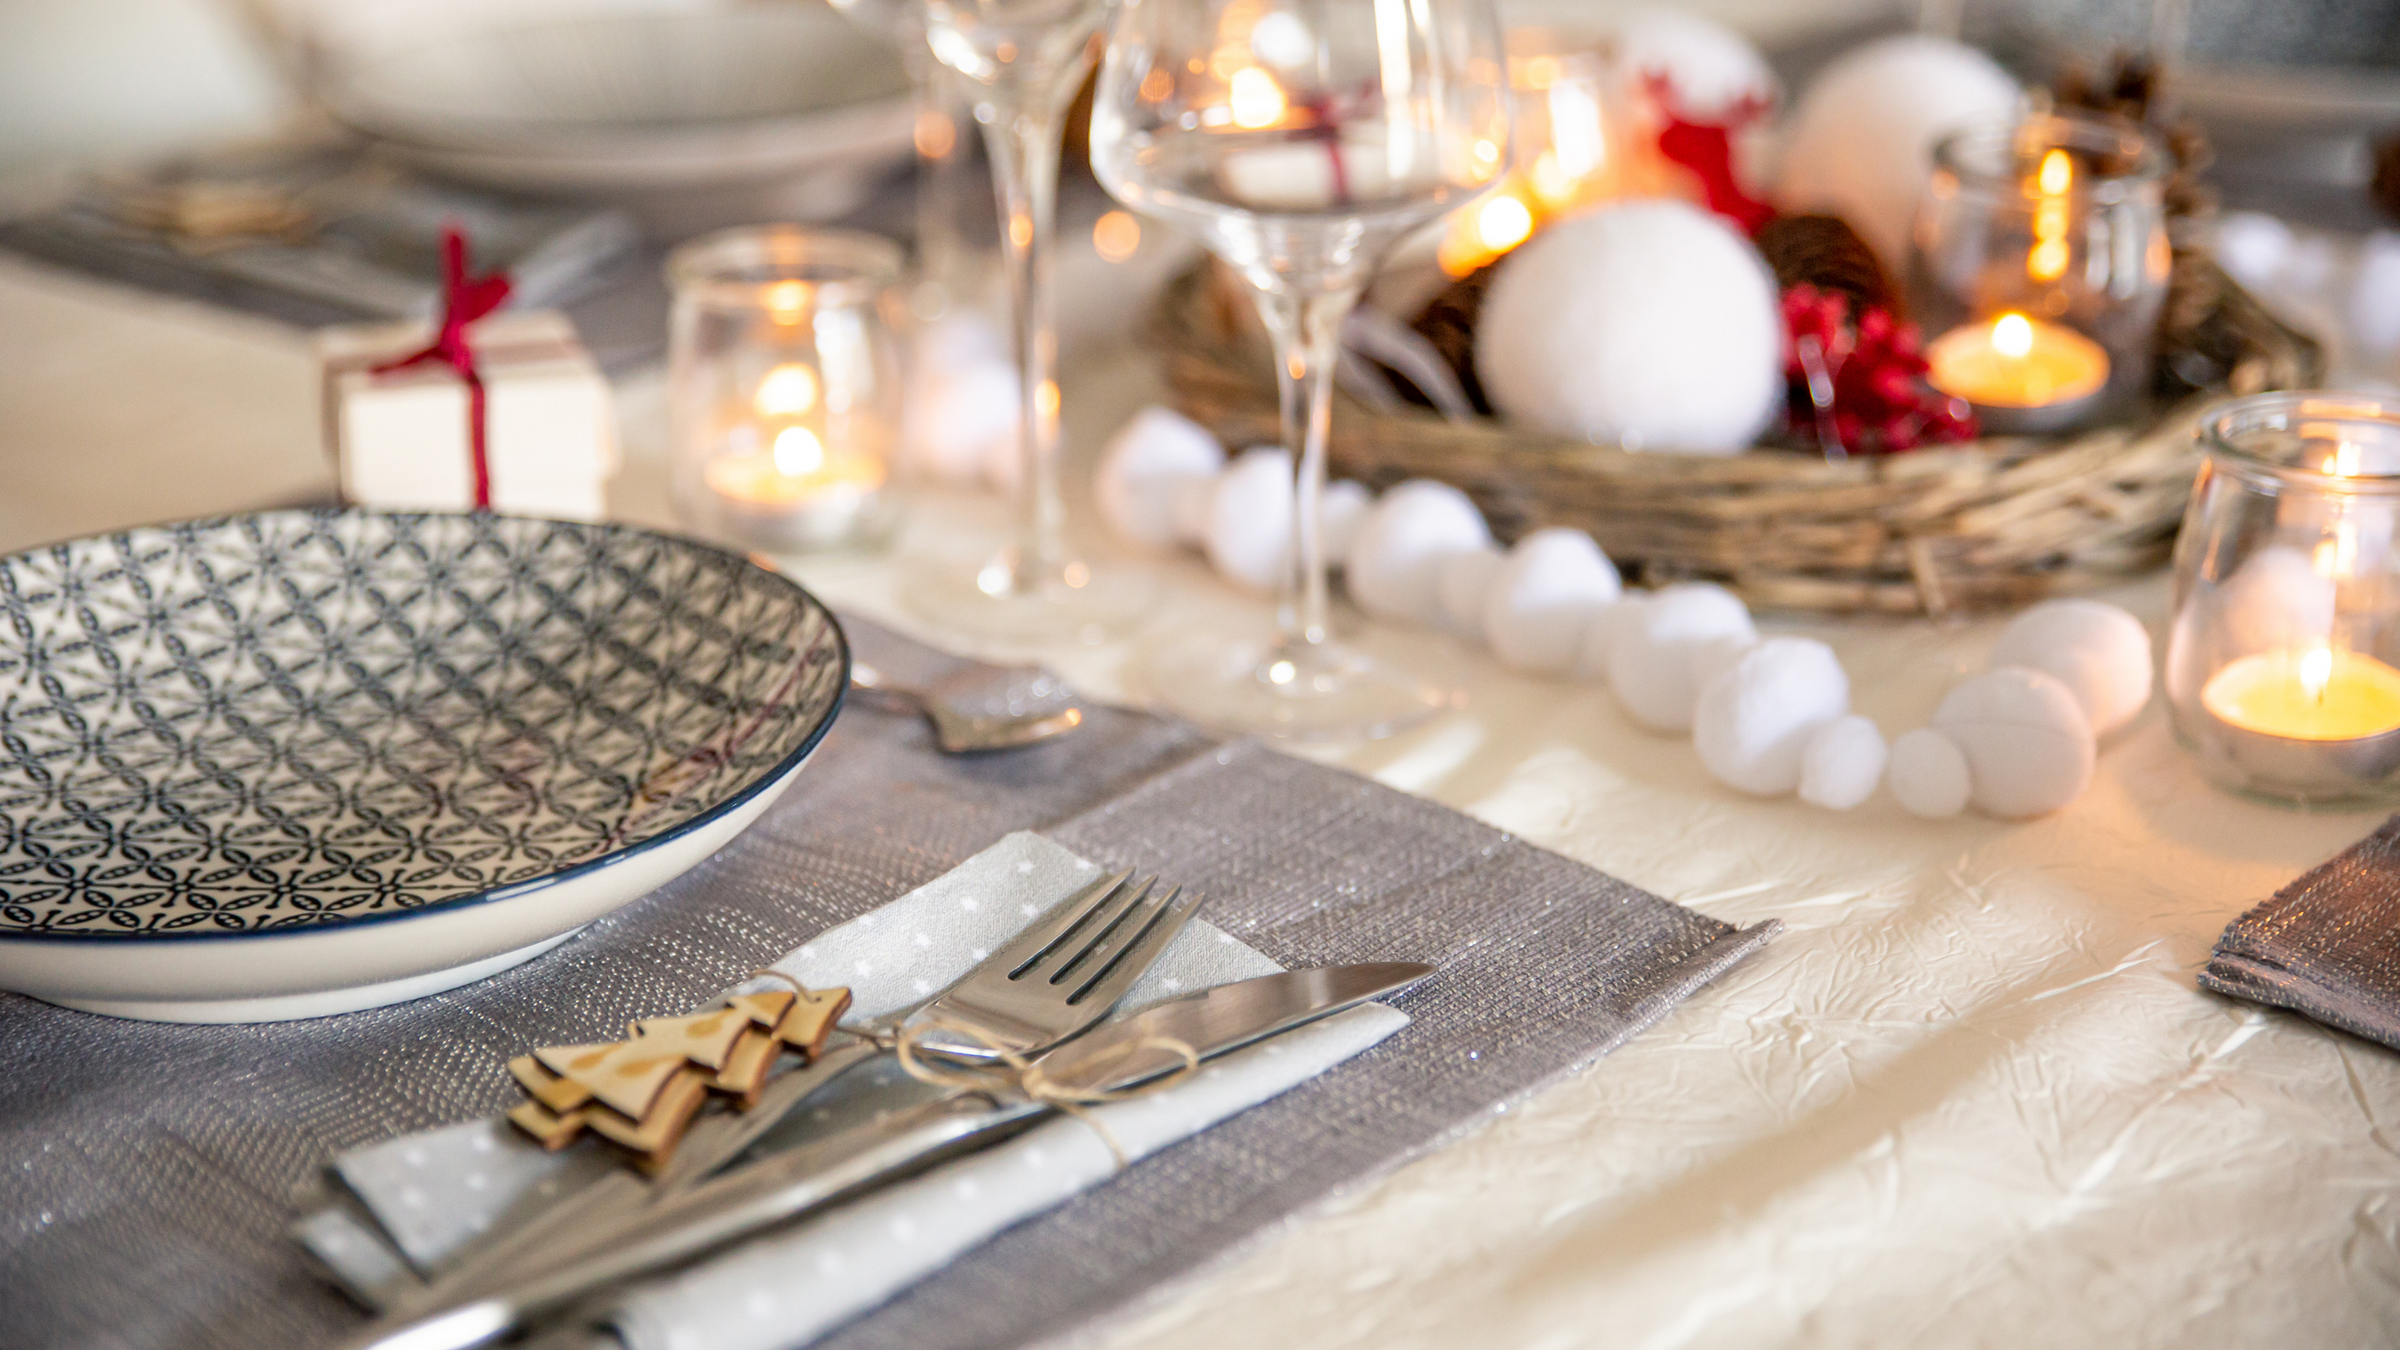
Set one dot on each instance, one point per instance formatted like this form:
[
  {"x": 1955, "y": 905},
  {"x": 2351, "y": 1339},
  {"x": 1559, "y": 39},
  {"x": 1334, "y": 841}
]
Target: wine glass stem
[
  {"x": 1307, "y": 330},
  {"x": 1023, "y": 141}
]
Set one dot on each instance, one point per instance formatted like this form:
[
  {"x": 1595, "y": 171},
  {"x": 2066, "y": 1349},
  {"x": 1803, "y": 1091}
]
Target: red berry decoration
[{"x": 1858, "y": 383}]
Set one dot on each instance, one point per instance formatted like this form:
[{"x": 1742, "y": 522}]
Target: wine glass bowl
[{"x": 1299, "y": 140}]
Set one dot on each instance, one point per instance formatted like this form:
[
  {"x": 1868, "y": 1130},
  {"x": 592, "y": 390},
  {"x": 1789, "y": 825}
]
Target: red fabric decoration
[
  {"x": 1706, "y": 149},
  {"x": 464, "y": 300},
  {"x": 1874, "y": 371}
]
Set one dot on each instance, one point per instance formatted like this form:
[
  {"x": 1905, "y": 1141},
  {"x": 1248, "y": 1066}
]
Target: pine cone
[
  {"x": 1824, "y": 252},
  {"x": 1448, "y": 322}
]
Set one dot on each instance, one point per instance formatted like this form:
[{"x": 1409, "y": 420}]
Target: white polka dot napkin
[{"x": 432, "y": 1193}]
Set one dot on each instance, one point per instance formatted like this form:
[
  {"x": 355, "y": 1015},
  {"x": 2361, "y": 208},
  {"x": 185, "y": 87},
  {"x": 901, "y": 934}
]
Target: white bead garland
[
  {"x": 1650, "y": 652},
  {"x": 1753, "y": 721},
  {"x": 1537, "y": 603},
  {"x": 2028, "y": 745}
]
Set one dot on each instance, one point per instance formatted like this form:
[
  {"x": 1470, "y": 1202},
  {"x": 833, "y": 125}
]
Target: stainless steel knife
[{"x": 686, "y": 1226}]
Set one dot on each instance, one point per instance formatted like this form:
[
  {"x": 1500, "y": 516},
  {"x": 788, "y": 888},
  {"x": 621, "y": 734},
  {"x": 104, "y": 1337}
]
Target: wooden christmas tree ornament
[{"x": 643, "y": 1092}]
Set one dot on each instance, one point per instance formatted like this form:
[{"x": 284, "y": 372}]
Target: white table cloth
[{"x": 1970, "y": 1098}]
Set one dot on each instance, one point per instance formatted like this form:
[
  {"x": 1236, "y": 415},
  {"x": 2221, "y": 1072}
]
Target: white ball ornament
[
  {"x": 1340, "y": 509},
  {"x": 1650, "y": 650},
  {"x": 2029, "y": 747},
  {"x": 1754, "y": 720},
  {"x": 2098, "y": 651},
  {"x": 1461, "y": 583},
  {"x": 1538, "y": 603},
  {"x": 1249, "y": 539},
  {"x": 1861, "y": 141},
  {"x": 1143, "y": 467},
  {"x": 1842, "y": 763},
  {"x": 1928, "y": 775},
  {"x": 1394, "y": 559},
  {"x": 1652, "y": 324},
  {"x": 1711, "y": 68}
]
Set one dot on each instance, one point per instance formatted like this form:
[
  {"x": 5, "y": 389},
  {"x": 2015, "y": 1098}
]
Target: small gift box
[{"x": 506, "y": 412}]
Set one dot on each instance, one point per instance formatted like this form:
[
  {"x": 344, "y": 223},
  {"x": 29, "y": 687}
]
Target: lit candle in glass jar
[
  {"x": 2023, "y": 375},
  {"x": 2308, "y": 716},
  {"x": 798, "y": 492}
]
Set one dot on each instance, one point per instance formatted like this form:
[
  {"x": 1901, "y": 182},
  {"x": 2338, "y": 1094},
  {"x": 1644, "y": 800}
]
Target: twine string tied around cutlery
[{"x": 1013, "y": 1072}]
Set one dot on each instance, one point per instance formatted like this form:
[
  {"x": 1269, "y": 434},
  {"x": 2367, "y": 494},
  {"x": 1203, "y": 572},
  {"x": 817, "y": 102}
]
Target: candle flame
[
  {"x": 1256, "y": 99},
  {"x": 1503, "y": 223},
  {"x": 2057, "y": 173},
  {"x": 2316, "y": 671},
  {"x": 788, "y": 391},
  {"x": 798, "y": 452},
  {"x": 2012, "y": 336},
  {"x": 786, "y": 300}
]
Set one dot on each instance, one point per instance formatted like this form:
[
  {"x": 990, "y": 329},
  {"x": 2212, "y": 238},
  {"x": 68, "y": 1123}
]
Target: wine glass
[
  {"x": 1299, "y": 140},
  {"x": 1022, "y": 62}
]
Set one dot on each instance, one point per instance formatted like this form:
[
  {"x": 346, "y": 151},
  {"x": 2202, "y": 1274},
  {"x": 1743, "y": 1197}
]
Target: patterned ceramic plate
[{"x": 297, "y": 763}]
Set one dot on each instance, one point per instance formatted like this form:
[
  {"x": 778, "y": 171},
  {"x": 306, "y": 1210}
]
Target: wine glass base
[
  {"x": 1111, "y": 600},
  {"x": 1263, "y": 687}
]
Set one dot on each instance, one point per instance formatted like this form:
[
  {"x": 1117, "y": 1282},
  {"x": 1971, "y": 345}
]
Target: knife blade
[{"x": 691, "y": 1224}]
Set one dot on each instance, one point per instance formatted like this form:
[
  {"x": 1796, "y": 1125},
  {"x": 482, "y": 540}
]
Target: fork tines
[{"x": 1102, "y": 946}]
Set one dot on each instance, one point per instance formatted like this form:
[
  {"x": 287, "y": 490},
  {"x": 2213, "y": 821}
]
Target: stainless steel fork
[{"x": 1060, "y": 977}]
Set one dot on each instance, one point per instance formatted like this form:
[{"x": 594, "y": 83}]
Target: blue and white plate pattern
[{"x": 284, "y": 722}]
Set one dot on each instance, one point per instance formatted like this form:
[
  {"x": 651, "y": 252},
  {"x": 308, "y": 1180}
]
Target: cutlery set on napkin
[{"x": 1019, "y": 1090}]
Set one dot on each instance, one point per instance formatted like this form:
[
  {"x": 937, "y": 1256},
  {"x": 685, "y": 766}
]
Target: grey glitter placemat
[
  {"x": 2327, "y": 946},
  {"x": 147, "y": 1171}
]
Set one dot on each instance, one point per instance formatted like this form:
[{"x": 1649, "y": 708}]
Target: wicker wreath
[{"x": 1990, "y": 524}]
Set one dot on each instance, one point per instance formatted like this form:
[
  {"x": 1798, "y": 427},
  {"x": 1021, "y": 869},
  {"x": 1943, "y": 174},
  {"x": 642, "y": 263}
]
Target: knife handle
[{"x": 695, "y": 1224}]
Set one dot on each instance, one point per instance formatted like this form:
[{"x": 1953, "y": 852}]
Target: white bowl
[{"x": 605, "y": 105}]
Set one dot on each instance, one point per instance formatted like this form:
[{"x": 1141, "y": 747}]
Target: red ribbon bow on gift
[{"x": 464, "y": 300}]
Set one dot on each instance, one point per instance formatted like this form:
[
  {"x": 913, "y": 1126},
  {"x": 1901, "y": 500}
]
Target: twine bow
[
  {"x": 1017, "y": 1074},
  {"x": 464, "y": 300}
]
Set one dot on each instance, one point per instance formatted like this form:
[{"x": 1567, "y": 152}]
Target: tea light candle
[
  {"x": 2309, "y": 721},
  {"x": 2023, "y": 375},
  {"x": 799, "y": 494}
]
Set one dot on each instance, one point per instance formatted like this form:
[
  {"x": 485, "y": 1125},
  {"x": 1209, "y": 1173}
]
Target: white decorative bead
[
  {"x": 1537, "y": 605},
  {"x": 1753, "y": 721},
  {"x": 2098, "y": 651},
  {"x": 1842, "y": 763},
  {"x": 1928, "y": 775},
  {"x": 1714, "y": 656},
  {"x": 1860, "y": 145},
  {"x": 1249, "y": 538},
  {"x": 1340, "y": 511},
  {"x": 1650, "y": 650},
  {"x": 1461, "y": 582},
  {"x": 1144, "y": 465},
  {"x": 2029, "y": 747},
  {"x": 1653, "y": 325},
  {"x": 1399, "y": 548}
]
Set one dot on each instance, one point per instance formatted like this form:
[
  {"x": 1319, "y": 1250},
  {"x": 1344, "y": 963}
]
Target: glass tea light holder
[
  {"x": 2040, "y": 260},
  {"x": 2283, "y": 655},
  {"x": 783, "y": 387},
  {"x": 1565, "y": 113}
]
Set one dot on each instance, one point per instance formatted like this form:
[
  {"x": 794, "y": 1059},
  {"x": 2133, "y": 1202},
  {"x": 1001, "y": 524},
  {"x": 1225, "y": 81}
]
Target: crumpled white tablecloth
[{"x": 1970, "y": 1098}]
